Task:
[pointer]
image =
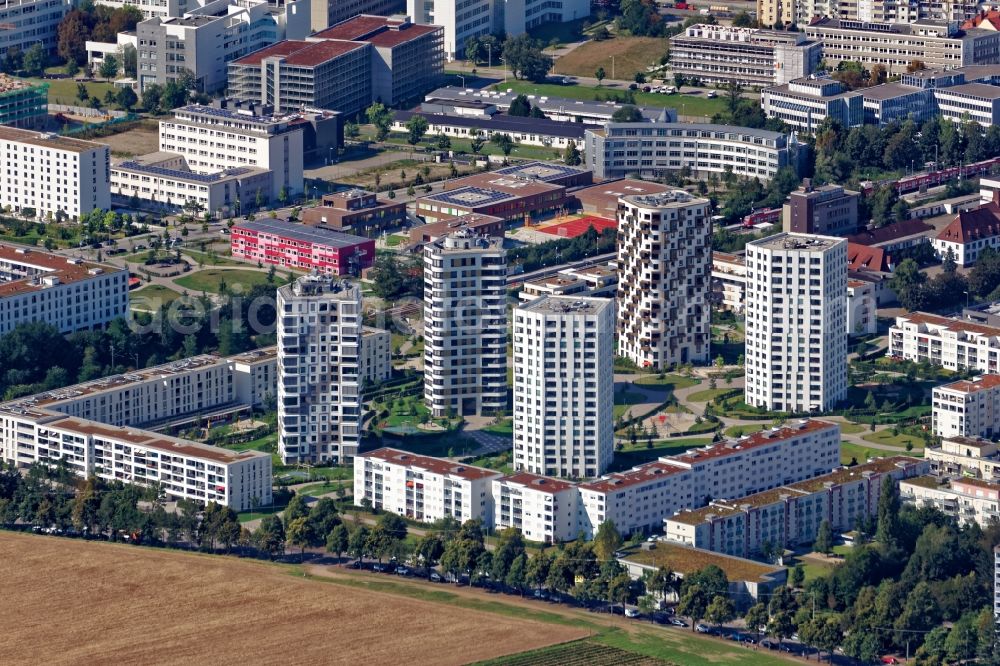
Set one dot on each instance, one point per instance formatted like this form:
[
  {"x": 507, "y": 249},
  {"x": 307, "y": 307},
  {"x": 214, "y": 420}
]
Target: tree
[
  {"x": 524, "y": 56},
  {"x": 693, "y": 604},
  {"x": 322, "y": 519},
  {"x": 516, "y": 577},
  {"x": 126, "y": 98},
  {"x": 599, "y": 75},
  {"x": 379, "y": 116},
  {"x": 270, "y": 536},
  {"x": 537, "y": 570},
  {"x": 357, "y": 545},
  {"x": 743, "y": 20},
  {"x": 824, "y": 538},
  {"x": 571, "y": 156},
  {"x": 416, "y": 127},
  {"x": 504, "y": 142},
  {"x": 338, "y": 540},
  {"x": 520, "y": 106},
  {"x": 72, "y": 37},
  {"x": 536, "y": 112},
  {"x": 822, "y": 632},
  {"x": 443, "y": 141},
  {"x": 129, "y": 61},
  {"x": 720, "y": 610},
  {"x": 351, "y": 130},
  {"x": 473, "y": 49},
  {"x": 296, "y": 508},
  {"x": 756, "y": 618},
  {"x": 429, "y": 549},
  {"x": 963, "y": 639},
  {"x": 607, "y": 541},
  {"x": 920, "y": 612},
  {"x": 915, "y": 66},
  {"x": 477, "y": 141},
  {"x": 798, "y": 576},
  {"x": 780, "y": 626},
  {"x": 109, "y": 67},
  {"x": 151, "y": 96},
  {"x": 34, "y": 60},
  {"x": 627, "y": 113},
  {"x": 300, "y": 534},
  {"x": 381, "y": 541},
  {"x": 888, "y": 527}
]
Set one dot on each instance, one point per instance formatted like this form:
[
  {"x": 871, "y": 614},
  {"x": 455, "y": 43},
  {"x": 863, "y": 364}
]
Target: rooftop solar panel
[
  {"x": 540, "y": 170},
  {"x": 302, "y": 232},
  {"x": 470, "y": 196}
]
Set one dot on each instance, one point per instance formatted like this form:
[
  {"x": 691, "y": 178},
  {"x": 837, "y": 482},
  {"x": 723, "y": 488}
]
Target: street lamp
[
  {"x": 463, "y": 79},
  {"x": 489, "y": 55},
  {"x": 612, "y": 68},
  {"x": 504, "y": 69}
]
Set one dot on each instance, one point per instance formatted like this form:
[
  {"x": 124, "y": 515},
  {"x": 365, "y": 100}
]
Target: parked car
[
  {"x": 632, "y": 612},
  {"x": 678, "y": 623},
  {"x": 224, "y": 231},
  {"x": 436, "y": 577},
  {"x": 702, "y": 628},
  {"x": 541, "y": 594},
  {"x": 403, "y": 571},
  {"x": 889, "y": 659}
]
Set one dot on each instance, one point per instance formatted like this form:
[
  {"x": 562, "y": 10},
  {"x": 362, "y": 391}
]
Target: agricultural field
[
  {"x": 578, "y": 653},
  {"x": 631, "y": 54},
  {"x": 158, "y": 606}
]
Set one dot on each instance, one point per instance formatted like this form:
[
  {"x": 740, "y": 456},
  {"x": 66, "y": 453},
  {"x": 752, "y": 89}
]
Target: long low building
[
  {"x": 790, "y": 515},
  {"x": 954, "y": 344},
  {"x": 68, "y": 293},
  {"x": 806, "y": 102},
  {"x": 181, "y": 468},
  {"x": 509, "y": 197},
  {"x": 423, "y": 488},
  {"x": 636, "y": 500},
  {"x": 527, "y": 131},
  {"x": 165, "y": 179},
  {"x": 288, "y": 244},
  {"x": 652, "y": 149},
  {"x": 966, "y": 500}
]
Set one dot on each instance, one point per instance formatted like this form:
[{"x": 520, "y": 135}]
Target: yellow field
[
  {"x": 74, "y": 602},
  {"x": 632, "y": 54}
]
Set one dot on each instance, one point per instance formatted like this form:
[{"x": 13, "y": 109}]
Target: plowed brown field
[{"x": 72, "y": 602}]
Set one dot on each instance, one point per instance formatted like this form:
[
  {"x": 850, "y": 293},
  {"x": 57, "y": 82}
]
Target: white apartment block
[
  {"x": 423, "y": 488},
  {"x": 967, "y": 408},
  {"x": 965, "y": 456},
  {"x": 951, "y": 343},
  {"x": 966, "y": 500},
  {"x": 29, "y": 22},
  {"x": 376, "y": 355},
  {"x": 465, "y": 19},
  {"x": 664, "y": 269},
  {"x": 564, "y": 386},
  {"x": 203, "y": 40},
  {"x": 49, "y": 173},
  {"x": 166, "y": 392},
  {"x": 790, "y": 515},
  {"x": 543, "y": 509},
  {"x": 182, "y": 468},
  {"x": 214, "y": 139},
  {"x": 638, "y": 499},
  {"x": 319, "y": 375},
  {"x": 862, "y": 308},
  {"x": 796, "y": 322},
  {"x": 153, "y": 8},
  {"x": 68, "y": 293},
  {"x": 465, "y": 325},
  {"x": 729, "y": 281}
]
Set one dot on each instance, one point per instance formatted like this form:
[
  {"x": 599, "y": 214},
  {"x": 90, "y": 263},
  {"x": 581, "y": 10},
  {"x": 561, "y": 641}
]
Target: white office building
[
  {"x": 68, "y": 293},
  {"x": 203, "y": 40},
  {"x": 424, "y": 488},
  {"x": 564, "y": 386},
  {"x": 319, "y": 375},
  {"x": 154, "y": 8},
  {"x": 181, "y": 468},
  {"x": 52, "y": 174},
  {"x": 29, "y": 22},
  {"x": 542, "y": 508},
  {"x": 967, "y": 408},
  {"x": 664, "y": 274},
  {"x": 465, "y": 325},
  {"x": 214, "y": 139},
  {"x": 796, "y": 322}
]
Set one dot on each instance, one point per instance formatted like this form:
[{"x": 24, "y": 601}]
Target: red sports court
[{"x": 578, "y": 227}]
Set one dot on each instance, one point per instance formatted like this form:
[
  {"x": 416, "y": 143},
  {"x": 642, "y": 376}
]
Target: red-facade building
[{"x": 293, "y": 245}]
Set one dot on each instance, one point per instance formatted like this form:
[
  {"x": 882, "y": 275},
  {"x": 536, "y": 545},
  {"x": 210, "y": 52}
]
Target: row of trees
[
  {"x": 588, "y": 244},
  {"x": 95, "y": 23},
  {"x": 917, "y": 292}
]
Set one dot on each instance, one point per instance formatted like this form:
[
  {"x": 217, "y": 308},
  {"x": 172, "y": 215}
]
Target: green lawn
[
  {"x": 849, "y": 450},
  {"x": 670, "y": 381},
  {"x": 212, "y": 280},
  {"x": 852, "y": 428},
  {"x": 63, "y": 91},
  {"x": 505, "y": 427},
  {"x": 150, "y": 297},
  {"x": 465, "y": 146},
  {"x": 686, "y": 647},
  {"x": 435, "y": 445},
  {"x": 210, "y": 259},
  {"x": 395, "y": 239},
  {"x": 624, "y": 401},
  {"x": 690, "y": 105},
  {"x": 740, "y": 430},
  {"x": 886, "y": 438},
  {"x": 708, "y": 394},
  {"x": 323, "y": 488}
]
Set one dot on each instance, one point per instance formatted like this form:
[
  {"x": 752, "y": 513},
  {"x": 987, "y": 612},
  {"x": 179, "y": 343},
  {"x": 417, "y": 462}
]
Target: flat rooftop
[
  {"x": 977, "y": 90},
  {"x": 892, "y": 91},
  {"x": 665, "y": 199},
  {"x": 798, "y": 242},
  {"x": 304, "y": 53},
  {"x": 301, "y": 232},
  {"x": 757, "y": 439},
  {"x": 972, "y": 386},
  {"x": 925, "y": 481},
  {"x": 949, "y": 324},
  {"x": 46, "y": 265},
  {"x": 48, "y": 140},
  {"x": 686, "y": 560},
  {"x": 379, "y": 31},
  {"x": 544, "y": 171},
  {"x": 636, "y": 476},
  {"x": 544, "y": 484},
  {"x": 429, "y": 464},
  {"x": 567, "y": 305}
]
